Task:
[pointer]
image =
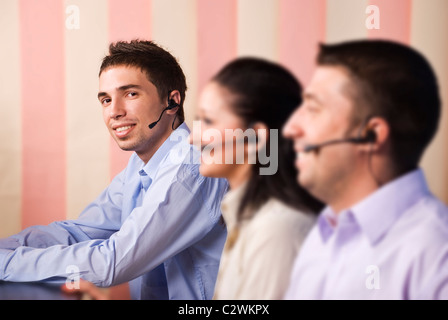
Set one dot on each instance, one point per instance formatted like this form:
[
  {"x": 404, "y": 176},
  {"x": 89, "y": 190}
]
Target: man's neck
[
  {"x": 361, "y": 188},
  {"x": 351, "y": 197},
  {"x": 152, "y": 146}
]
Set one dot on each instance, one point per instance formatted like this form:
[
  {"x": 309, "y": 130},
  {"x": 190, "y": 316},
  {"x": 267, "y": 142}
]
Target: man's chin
[{"x": 125, "y": 146}]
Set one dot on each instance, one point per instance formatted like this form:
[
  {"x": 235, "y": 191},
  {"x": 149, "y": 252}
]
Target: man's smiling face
[{"x": 130, "y": 102}]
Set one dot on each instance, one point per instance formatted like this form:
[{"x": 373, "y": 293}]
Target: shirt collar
[
  {"x": 377, "y": 213},
  {"x": 326, "y": 223},
  {"x": 151, "y": 166}
]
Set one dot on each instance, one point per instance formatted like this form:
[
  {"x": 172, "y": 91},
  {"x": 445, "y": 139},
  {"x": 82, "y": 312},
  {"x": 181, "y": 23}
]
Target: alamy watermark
[
  {"x": 73, "y": 277},
  {"x": 373, "y": 20},
  {"x": 73, "y": 18},
  {"x": 373, "y": 278},
  {"x": 233, "y": 146}
]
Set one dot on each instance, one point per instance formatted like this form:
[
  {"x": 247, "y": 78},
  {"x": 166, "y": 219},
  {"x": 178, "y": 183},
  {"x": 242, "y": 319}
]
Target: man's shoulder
[
  {"x": 426, "y": 245},
  {"x": 421, "y": 235},
  {"x": 183, "y": 162},
  {"x": 428, "y": 219}
]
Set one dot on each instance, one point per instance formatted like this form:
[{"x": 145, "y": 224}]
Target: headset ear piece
[
  {"x": 371, "y": 136},
  {"x": 172, "y": 104}
]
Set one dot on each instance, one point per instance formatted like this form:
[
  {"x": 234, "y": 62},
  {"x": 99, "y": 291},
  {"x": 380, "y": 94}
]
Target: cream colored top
[{"x": 259, "y": 264}]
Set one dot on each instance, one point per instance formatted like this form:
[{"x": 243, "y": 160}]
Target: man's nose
[
  {"x": 292, "y": 128},
  {"x": 116, "y": 110}
]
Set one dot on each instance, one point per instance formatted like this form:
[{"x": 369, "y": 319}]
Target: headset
[
  {"x": 171, "y": 105},
  {"x": 369, "y": 138}
]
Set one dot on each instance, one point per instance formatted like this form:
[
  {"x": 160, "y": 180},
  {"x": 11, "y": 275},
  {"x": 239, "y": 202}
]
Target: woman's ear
[{"x": 262, "y": 133}]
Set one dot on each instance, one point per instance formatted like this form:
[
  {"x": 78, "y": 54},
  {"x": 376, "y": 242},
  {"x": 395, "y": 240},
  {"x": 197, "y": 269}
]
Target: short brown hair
[
  {"x": 394, "y": 82},
  {"x": 161, "y": 68}
]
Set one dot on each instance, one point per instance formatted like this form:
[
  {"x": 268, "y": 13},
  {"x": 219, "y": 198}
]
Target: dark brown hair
[
  {"x": 161, "y": 68},
  {"x": 395, "y": 82},
  {"x": 267, "y": 92}
]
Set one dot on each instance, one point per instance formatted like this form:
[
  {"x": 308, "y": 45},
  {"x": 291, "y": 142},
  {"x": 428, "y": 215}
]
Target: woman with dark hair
[{"x": 267, "y": 215}]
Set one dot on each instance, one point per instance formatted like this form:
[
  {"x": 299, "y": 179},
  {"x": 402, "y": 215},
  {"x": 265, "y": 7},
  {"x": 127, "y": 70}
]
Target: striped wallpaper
[{"x": 56, "y": 154}]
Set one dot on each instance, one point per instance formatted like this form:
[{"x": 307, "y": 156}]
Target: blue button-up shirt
[{"x": 158, "y": 224}]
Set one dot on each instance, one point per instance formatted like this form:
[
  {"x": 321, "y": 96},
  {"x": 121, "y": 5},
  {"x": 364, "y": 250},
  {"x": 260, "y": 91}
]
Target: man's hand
[{"x": 87, "y": 291}]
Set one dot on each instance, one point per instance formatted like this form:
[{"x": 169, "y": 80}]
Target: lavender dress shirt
[{"x": 391, "y": 245}]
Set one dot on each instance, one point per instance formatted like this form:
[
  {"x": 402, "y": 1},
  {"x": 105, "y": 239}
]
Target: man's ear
[
  {"x": 175, "y": 96},
  {"x": 378, "y": 130}
]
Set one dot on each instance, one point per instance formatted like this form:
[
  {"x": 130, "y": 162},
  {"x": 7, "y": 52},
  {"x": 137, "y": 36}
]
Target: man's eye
[
  {"x": 105, "y": 101},
  {"x": 132, "y": 94}
]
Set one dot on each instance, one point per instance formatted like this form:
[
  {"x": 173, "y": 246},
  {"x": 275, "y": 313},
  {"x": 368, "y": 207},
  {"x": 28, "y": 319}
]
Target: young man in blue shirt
[{"x": 157, "y": 224}]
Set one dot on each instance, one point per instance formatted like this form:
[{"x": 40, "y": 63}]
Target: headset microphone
[
  {"x": 171, "y": 105},
  {"x": 370, "y": 137}
]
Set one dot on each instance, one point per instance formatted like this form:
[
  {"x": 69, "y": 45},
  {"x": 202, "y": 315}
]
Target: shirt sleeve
[
  {"x": 99, "y": 220},
  {"x": 168, "y": 221}
]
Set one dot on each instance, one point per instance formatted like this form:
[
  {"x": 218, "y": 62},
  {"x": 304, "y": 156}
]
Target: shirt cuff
[
  {"x": 3, "y": 255},
  {"x": 9, "y": 243}
]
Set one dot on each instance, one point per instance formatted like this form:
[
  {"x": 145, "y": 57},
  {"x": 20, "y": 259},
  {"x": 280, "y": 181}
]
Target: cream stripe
[
  {"x": 428, "y": 34},
  {"x": 87, "y": 137},
  {"x": 258, "y": 28},
  {"x": 346, "y": 20},
  {"x": 174, "y": 27},
  {"x": 10, "y": 145}
]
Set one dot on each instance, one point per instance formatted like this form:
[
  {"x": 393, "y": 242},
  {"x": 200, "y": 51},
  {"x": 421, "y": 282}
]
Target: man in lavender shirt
[{"x": 367, "y": 116}]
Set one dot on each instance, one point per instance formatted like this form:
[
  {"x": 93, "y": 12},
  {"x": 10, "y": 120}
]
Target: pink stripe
[
  {"x": 217, "y": 37},
  {"x": 43, "y": 111},
  {"x": 128, "y": 20},
  {"x": 302, "y": 27},
  {"x": 395, "y": 20}
]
